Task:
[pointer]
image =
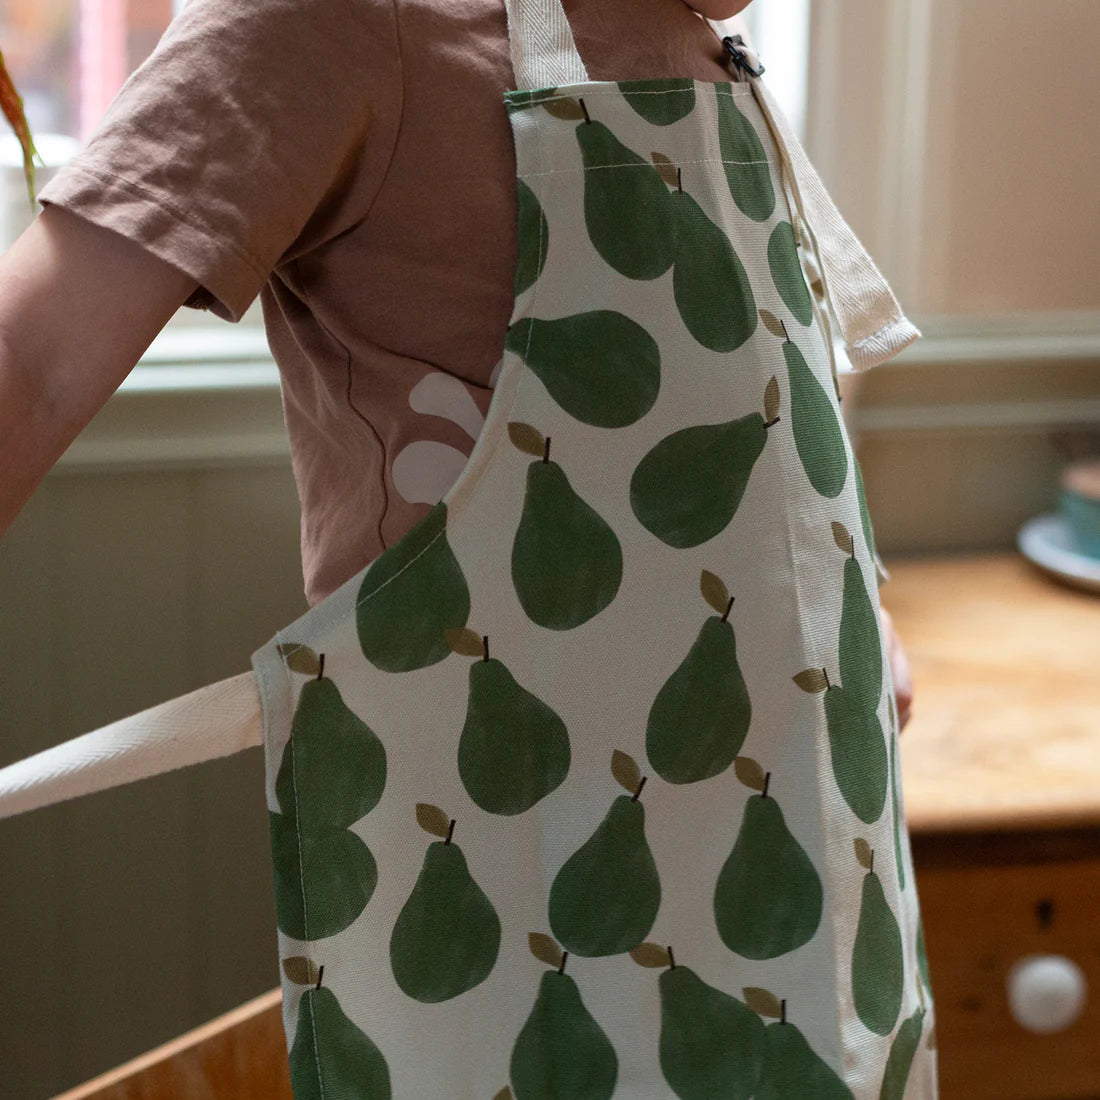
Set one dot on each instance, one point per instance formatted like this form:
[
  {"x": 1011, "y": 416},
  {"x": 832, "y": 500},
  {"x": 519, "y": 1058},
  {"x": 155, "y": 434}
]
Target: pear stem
[
  {"x": 671, "y": 958},
  {"x": 585, "y": 109},
  {"x": 564, "y": 956},
  {"x": 546, "y": 451},
  {"x": 321, "y": 669},
  {"x": 679, "y": 185},
  {"x": 639, "y": 790},
  {"x": 320, "y": 976},
  {"x": 769, "y": 423},
  {"x": 872, "y": 867},
  {"x": 767, "y": 780},
  {"x": 783, "y": 1011},
  {"x": 729, "y": 608},
  {"x": 485, "y": 645},
  {"x": 450, "y": 832},
  {"x": 825, "y": 671},
  {"x": 783, "y": 326}
]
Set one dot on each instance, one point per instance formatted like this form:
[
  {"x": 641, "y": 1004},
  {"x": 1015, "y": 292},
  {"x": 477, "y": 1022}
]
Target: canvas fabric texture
[{"x": 588, "y": 786}]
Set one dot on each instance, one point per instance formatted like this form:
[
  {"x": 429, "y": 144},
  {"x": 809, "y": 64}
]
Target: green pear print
[
  {"x": 323, "y": 878},
  {"x": 815, "y": 421},
  {"x": 922, "y": 958},
  {"x": 533, "y": 234},
  {"x": 787, "y": 273},
  {"x": 409, "y": 596},
  {"x": 605, "y": 897},
  {"x": 899, "y": 858},
  {"x": 768, "y": 897},
  {"x": 626, "y": 203},
  {"x": 864, "y": 514},
  {"x": 661, "y": 102},
  {"x": 791, "y": 1069},
  {"x": 561, "y": 1053},
  {"x": 601, "y": 367},
  {"x": 514, "y": 749},
  {"x": 711, "y": 1043},
  {"x": 447, "y": 936},
  {"x": 688, "y": 487},
  {"x": 333, "y": 768},
  {"x": 331, "y": 1057},
  {"x": 878, "y": 970},
  {"x": 748, "y": 172},
  {"x": 709, "y": 283},
  {"x": 861, "y": 656},
  {"x": 699, "y": 720},
  {"x": 566, "y": 561},
  {"x": 900, "y": 1060}
]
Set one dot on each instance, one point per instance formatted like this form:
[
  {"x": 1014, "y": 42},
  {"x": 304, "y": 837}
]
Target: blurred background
[{"x": 961, "y": 141}]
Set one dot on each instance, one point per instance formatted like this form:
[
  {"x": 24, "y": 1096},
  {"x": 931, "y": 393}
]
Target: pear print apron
[{"x": 587, "y": 788}]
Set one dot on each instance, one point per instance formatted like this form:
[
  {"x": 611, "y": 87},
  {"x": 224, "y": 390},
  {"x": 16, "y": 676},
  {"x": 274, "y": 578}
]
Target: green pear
[
  {"x": 787, "y": 273},
  {"x": 447, "y": 935},
  {"x": 562, "y": 1053},
  {"x": 626, "y": 207},
  {"x": 748, "y": 171},
  {"x": 857, "y": 748},
  {"x": 688, "y": 487},
  {"x": 878, "y": 970},
  {"x": 709, "y": 282},
  {"x": 323, "y": 878},
  {"x": 899, "y": 858},
  {"x": 331, "y": 1059},
  {"x": 793, "y": 1071},
  {"x": 922, "y": 957},
  {"x": 768, "y": 897},
  {"x": 566, "y": 561},
  {"x": 661, "y": 102},
  {"x": 514, "y": 749},
  {"x": 711, "y": 1043},
  {"x": 900, "y": 1060},
  {"x": 333, "y": 769},
  {"x": 605, "y": 897},
  {"x": 699, "y": 720},
  {"x": 864, "y": 514},
  {"x": 861, "y": 657},
  {"x": 409, "y": 596},
  {"x": 533, "y": 232},
  {"x": 815, "y": 421},
  {"x": 601, "y": 367}
]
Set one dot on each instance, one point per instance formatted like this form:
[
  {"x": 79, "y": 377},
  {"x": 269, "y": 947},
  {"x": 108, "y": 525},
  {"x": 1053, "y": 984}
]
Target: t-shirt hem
[{"x": 228, "y": 279}]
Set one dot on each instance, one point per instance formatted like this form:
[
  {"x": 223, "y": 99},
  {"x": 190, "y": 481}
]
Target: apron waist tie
[{"x": 872, "y": 326}]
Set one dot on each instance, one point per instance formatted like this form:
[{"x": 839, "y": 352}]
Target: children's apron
[{"x": 587, "y": 787}]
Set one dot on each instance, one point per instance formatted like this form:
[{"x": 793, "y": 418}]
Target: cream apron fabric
[{"x": 587, "y": 787}]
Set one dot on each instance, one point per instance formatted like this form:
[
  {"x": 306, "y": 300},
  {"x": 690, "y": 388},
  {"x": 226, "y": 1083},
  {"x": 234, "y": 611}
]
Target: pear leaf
[
  {"x": 300, "y": 970},
  {"x": 665, "y": 169},
  {"x": 504, "y": 1094},
  {"x": 545, "y": 948},
  {"x": 465, "y": 641},
  {"x": 299, "y": 658},
  {"x": 931, "y": 1041},
  {"x": 749, "y": 772},
  {"x": 864, "y": 854},
  {"x": 773, "y": 324},
  {"x": 762, "y": 1001},
  {"x": 842, "y": 537},
  {"x": 563, "y": 107},
  {"x": 526, "y": 438},
  {"x": 432, "y": 819},
  {"x": 625, "y": 769},
  {"x": 811, "y": 680},
  {"x": 650, "y": 954},
  {"x": 714, "y": 591},
  {"x": 771, "y": 399}
]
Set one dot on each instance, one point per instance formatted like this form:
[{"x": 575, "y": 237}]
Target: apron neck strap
[{"x": 544, "y": 54}]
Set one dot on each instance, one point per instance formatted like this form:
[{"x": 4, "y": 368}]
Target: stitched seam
[
  {"x": 181, "y": 215},
  {"x": 878, "y": 332},
  {"x": 628, "y": 92},
  {"x": 597, "y": 167}
]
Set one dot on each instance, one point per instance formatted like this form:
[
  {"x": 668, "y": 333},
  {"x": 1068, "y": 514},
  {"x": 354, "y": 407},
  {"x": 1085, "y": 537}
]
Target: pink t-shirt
[{"x": 351, "y": 162}]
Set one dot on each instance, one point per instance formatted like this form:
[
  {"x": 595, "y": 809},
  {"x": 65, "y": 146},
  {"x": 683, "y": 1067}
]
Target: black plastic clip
[{"x": 735, "y": 46}]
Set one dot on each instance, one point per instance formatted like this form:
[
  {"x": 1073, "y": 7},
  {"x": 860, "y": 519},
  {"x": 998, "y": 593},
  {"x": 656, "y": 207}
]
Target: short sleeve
[{"x": 254, "y": 128}]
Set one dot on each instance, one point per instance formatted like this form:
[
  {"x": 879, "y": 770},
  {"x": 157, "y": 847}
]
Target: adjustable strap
[
  {"x": 544, "y": 54},
  {"x": 872, "y": 326}
]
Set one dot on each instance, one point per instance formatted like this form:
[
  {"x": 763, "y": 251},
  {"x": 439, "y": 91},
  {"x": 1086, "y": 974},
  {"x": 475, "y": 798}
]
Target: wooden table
[{"x": 1001, "y": 768}]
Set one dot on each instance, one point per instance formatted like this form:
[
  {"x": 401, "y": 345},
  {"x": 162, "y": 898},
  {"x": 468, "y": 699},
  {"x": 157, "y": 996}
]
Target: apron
[{"x": 587, "y": 787}]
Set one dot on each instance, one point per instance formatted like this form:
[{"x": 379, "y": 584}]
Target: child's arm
[{"x": 79, "y": 305}]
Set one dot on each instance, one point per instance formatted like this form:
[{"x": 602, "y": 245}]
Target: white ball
[{"x": 1046, "y": 993}]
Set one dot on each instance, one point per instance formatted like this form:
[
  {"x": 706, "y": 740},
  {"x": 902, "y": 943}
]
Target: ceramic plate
[{"x": 1048, "y": 542}]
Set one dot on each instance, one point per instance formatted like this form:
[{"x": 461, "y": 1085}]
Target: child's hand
[{"x": 899, "y": 667}]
